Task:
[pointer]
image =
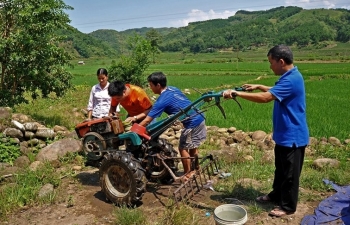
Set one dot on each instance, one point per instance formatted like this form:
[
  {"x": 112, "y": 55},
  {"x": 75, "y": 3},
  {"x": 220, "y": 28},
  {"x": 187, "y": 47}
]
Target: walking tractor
[{"x": 127, "y": 160}]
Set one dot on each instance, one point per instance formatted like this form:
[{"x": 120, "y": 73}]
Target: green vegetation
[
  {"x": 236, "y": 54},
  {"x": 24, "y": 189},
  {"x": 130, "y": 68},
  {"x": 30, "y": 57},
  {"x": 245, "y": 31},
  {"x": 132, "y": 216},
  {"x": 9, "y": 149}
]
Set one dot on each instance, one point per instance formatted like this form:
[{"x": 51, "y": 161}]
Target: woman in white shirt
[{"x": 99, "y": 101}]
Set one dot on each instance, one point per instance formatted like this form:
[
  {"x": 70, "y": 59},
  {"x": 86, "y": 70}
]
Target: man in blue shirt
[
  {"x": 290, "y": 130},
  {"x": 171, "y": 100}
]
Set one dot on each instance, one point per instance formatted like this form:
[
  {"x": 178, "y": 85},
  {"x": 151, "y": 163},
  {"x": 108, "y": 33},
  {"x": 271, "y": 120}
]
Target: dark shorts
[{"x": 193, "y": 137}]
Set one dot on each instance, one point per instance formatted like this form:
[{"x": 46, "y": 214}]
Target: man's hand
[
  {"x": 229, "y": 94},
  {"x": 251, "y": 87},
  {"x": 131, "y": 119}
]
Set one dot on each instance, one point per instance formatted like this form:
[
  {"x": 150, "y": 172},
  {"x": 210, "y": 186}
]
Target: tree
[
  {"x": 130, "y": 68},
  {"x": 154, "y": 37},
  {"x": 30, "y": 58}
]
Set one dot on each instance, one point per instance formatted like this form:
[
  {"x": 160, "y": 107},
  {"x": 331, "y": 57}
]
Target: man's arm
[
  {"x": 146, "y": 121},
  {"x": 261, "y": 97},
  {"x": 138, "y": 117},
  {"x": 252, "y": 87},
  {"x": 112, "y": 110}
]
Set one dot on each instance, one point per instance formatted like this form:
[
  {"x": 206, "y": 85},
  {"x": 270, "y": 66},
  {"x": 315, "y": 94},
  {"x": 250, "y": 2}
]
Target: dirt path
[{"x": 89, "y": 206}]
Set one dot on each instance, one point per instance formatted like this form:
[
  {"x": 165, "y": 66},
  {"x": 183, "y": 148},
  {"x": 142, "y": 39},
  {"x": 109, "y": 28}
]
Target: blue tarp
[{"x": 333, "y": 210}]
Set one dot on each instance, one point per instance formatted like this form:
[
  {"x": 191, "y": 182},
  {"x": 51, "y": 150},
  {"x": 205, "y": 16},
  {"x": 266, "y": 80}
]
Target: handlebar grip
[
  {"x": 240, "y": 89},
  {"x": 233, "y": 94}
]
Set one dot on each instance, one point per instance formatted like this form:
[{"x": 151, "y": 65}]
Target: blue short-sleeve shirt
[
  {"x": 171, "y": 101},
  {"x": 289, "y": 112}
]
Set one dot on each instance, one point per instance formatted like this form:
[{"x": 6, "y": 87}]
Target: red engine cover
[{"x": 82, "y": 128}]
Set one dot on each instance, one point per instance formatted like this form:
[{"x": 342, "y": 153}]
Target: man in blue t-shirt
[
  {"x": 290, "y": 130},
  {"x": 171, "y": 100}
]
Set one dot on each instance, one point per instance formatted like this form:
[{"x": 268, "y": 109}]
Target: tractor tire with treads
[
  {"x": 122, "y": 178},
  {"x": 161, "y": 173}
]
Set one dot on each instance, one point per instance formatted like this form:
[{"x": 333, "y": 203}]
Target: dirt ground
[{"x": 89, "y": 206}]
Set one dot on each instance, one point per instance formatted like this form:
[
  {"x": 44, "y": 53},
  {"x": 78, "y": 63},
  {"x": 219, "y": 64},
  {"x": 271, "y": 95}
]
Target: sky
[{"x": 90, "y": 15}]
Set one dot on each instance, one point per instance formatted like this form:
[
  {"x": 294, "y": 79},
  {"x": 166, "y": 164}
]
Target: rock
[
  {"x": 22, "y": 161},
  {"x": 222, "y": 130},
  {"x": 17, "y": 125},
  {"x": 13, "y": 132},
  {"x": 9, "y": 170},
  {"x": 212, "y": 128},
  {"x": 268, "y": 157},
  {"x": 33, "y": 142},
  {"x": 29, "y": 135},
  {"x": 22, "y": 118},
  {"x": 45, "y": 133},
  {"x": 31, "y": 126},
  {"x": 326, "y": 162},
  {"x": 59, "y": 149},
  {"x": 238, "y": 136},
  {"x": 261, "y": 146},
  {"x": 258, "y": 135},
  {"x": 334, "y": 141},
  {"x": 45, "y": 190},
  {"x": 231, "y": 129},
  {"x": 59, "y": 128},
  {"x": 313, "y": 141}
]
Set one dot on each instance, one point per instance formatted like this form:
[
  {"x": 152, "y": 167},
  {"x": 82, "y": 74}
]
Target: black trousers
[{"x": 288, "y": 163}]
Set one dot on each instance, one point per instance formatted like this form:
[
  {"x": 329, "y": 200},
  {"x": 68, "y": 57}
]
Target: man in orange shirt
[{"x": 133, "y": 98}]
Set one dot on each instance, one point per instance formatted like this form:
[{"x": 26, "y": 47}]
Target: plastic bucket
[{"x": 230, "y": 214}]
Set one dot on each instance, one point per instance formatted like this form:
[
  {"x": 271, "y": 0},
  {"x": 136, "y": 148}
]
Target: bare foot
[{"x": 188, "y": 175}]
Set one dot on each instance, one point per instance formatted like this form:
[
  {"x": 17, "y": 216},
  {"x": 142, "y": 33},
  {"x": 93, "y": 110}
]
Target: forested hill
[{"x": 289, "y": 25}]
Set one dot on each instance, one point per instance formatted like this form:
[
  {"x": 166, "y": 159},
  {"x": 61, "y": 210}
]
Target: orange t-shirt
[{"x": 137, "y": 101}]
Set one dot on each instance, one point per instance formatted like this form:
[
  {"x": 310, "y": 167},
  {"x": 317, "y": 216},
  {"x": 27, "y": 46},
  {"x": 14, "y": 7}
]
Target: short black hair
[
  {"x": 102, "y": 71},
  {"x": 116, "y": 88},
  {"x": 281, "y": 52},
  {"x": 157, "y": 78}
]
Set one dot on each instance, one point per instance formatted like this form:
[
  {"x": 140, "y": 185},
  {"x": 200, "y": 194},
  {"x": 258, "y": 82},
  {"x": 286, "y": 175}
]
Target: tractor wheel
[
  {"x": 161, "y": 173},
  {"x": 122, "y": 178},
  {"x": 93, "y": 145}
]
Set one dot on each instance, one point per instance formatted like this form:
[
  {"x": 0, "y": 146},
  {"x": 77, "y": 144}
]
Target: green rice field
[{"x": 327, "y": 86}]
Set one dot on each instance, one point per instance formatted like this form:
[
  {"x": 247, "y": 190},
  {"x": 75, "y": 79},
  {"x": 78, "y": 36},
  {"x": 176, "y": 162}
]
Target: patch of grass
[
  {"x": 129, "y": 216},
  {"x": 24, "y": 188},
  {"x": 179, "y": 215}
]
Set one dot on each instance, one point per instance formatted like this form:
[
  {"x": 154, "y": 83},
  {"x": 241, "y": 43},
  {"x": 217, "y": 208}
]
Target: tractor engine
[{"x": 99, "y": 136}]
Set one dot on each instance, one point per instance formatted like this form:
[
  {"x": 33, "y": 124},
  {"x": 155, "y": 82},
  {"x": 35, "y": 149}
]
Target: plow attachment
[{"x": 208, "y": 166}]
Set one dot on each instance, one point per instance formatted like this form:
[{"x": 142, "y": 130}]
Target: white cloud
[
  {"x": 199, "y": 15},
  {"x": 311, "y": 4}
]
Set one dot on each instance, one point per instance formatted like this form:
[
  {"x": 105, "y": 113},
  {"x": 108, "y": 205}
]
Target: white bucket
[{"x": 230, "y": 214}]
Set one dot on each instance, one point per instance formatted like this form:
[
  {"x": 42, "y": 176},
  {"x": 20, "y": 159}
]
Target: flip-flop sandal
[
  {"x": 263, "y": 199},
  {"x": 278, "y": 212}
]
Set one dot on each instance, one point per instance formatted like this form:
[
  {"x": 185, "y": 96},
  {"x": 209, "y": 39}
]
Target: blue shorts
[{"x": 193, "y": 137}]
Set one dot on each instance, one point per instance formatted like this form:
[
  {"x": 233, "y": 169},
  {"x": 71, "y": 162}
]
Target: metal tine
[{"x": 193, "y": 186}]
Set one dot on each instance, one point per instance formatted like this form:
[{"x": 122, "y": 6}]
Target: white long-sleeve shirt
[{"x": 99, "y": 101}]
